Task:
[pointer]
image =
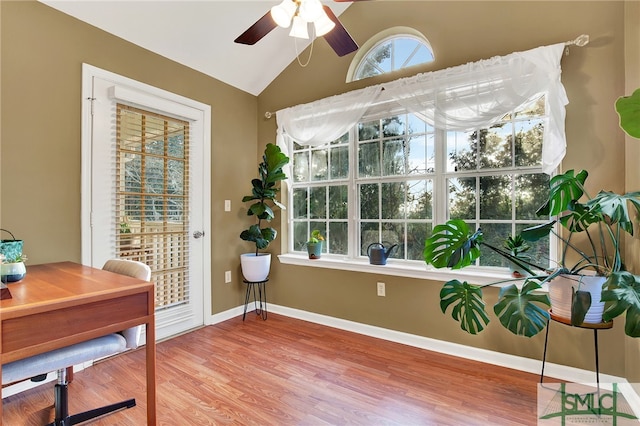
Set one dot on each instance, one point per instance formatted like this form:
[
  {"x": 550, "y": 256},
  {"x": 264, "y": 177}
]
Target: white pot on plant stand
[
  {"x": 255, "y": 268},
  {"x": 562, "y": 287}
]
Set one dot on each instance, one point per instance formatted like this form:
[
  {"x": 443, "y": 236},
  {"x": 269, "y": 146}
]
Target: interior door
[{"x": 147, "y": 191}]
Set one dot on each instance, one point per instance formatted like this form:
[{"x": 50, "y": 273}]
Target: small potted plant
[
  {"x": 256, "y": 265},
  {"x": 314, "y": 245},
  {"x": 13, "y": 269},
  {"x": 516, "y": 245}
]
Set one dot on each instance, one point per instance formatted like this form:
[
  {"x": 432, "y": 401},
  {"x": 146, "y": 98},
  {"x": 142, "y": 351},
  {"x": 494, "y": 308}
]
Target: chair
[{"x": 37, "y": 366}]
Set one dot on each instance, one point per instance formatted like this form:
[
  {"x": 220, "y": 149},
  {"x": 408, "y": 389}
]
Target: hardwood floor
[{"x": 285, "y": 371}]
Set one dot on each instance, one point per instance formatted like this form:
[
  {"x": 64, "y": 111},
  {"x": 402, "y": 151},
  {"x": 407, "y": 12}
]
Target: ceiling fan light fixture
[
  {"x": 310, "y": 10},
  {"x": 283, "y": 13},
  {"x": 299, "y": 28},
  {"x": 323, "y": 24}
]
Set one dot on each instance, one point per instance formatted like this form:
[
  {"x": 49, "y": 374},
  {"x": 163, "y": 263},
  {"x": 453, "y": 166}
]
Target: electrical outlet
[
  {"x": 227, "y": 205},
  {"x": 381, "y": 290},
  {"x": 227, "y": 276}
]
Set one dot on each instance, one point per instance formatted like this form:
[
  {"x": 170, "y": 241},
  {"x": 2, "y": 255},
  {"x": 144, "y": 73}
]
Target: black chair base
[{"x": 62, "y": 408}]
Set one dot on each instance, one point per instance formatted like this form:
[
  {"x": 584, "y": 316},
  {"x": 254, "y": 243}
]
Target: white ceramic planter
[
  {"x": 560, "y": 295},
  {"x": 12, "y": 272},
  {"x": 255, "y": 268}
]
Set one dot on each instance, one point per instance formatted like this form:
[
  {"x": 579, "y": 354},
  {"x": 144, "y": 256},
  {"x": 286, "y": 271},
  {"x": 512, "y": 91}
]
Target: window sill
[{"x": 400, "y": 269}]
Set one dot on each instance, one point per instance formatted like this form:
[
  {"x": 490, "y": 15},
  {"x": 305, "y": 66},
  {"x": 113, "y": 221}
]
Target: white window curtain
[
  {"x": 460, "y": 98},
  {"x": 325, "y": 120}
]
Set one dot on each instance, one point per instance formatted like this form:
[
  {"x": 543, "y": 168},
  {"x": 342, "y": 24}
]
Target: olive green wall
[
  {"x": 42, "y": 51},
  {"x": 593, "y": 77}
]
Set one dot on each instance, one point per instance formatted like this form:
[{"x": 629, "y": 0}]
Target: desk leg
[{"x": 151, "y": 371}]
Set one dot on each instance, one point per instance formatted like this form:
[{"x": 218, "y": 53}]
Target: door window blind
[{"x": 152, "y": 199}]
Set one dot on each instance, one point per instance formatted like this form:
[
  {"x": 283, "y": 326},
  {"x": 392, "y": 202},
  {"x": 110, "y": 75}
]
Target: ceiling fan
[{"x": 298, "y": 14}]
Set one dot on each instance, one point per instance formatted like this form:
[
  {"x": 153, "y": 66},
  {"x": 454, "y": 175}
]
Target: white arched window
[{"x": 388, "y": 51}]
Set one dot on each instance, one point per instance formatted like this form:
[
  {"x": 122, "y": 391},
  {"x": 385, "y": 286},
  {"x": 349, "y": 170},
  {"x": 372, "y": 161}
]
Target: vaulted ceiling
[{"x": 198, "y": 34}]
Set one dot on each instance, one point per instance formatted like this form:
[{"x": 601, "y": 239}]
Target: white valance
[
  {"x": 323, "y": 121},
  {"x": 465, "y": 97}
]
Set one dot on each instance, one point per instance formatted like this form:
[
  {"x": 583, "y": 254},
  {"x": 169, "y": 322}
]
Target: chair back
[
  {"x": 131, "y": 268},
  {"x": 135, "y": 269}
]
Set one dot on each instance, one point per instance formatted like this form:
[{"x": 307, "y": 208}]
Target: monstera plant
[{"x": 602, "y": 220}]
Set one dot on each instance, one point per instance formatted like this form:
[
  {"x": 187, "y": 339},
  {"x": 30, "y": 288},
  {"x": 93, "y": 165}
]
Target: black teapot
[{"x": 378, "y": 254}]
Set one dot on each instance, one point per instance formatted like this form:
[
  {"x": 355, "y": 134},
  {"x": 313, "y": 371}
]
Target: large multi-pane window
[
  {"x": 320, "y": 195},
  {"x": 393, "y": 176}
]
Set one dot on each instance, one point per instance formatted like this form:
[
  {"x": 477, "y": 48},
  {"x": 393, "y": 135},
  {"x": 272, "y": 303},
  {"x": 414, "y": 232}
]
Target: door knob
[{"x": 198, "y": 234}]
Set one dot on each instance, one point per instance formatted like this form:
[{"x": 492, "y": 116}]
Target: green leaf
[
  {"x": 275, "y": 160},
  {"x": 579, "y": 217},
  {"x": 251, "y": 234},
  {"x": 268, "y": 235},
  {"x": 261, "y": 237},
  {"x": 623, "y": 294},
  {"x": 628, "y": 109},
  {"x": 468, "y": 306},
  {"x": 563, "y": 189},
  {"x": 580, "y": 304},
  {"x": 534, "y": 233},
  {"x": 275, "y": 177},
  {"x": 517, "y": 310},
  {"x": 452, "y": 245},
  {"x": 616, "y": 207}
]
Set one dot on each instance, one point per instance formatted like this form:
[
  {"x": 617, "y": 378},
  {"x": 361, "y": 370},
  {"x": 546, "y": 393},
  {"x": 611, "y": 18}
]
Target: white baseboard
[
  {"x": 226, "y": 315},
  {"x": 529, "y": 365}
]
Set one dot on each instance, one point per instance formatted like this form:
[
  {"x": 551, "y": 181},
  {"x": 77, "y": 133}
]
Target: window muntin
[{"x": 404, "y": 176}]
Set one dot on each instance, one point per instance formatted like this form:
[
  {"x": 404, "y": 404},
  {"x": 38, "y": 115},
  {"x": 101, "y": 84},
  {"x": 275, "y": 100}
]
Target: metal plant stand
[
  {"x": 595, "y": 327},
  {"x": 259, "y": 301}
]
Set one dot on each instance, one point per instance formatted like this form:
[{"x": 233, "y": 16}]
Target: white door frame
[{"x": 139, "y": 94}]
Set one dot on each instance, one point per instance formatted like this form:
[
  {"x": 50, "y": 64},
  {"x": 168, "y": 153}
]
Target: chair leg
[
  {"x": 62, "y": 417},
  {"x": 61, "y": 395},
  {"x": 97, "y": 412}
]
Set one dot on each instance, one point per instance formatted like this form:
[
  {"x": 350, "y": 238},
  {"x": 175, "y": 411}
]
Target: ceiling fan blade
[
  {"x": 261, "y": 28},
  {"x": 338, "y": 38}
]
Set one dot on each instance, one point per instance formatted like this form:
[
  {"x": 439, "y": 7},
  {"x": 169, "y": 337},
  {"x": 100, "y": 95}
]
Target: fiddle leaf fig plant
[{"x": 263, "y": 193}]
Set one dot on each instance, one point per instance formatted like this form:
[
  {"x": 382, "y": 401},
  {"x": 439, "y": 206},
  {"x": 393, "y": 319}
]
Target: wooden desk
[{"x": 60, "y": 304}]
